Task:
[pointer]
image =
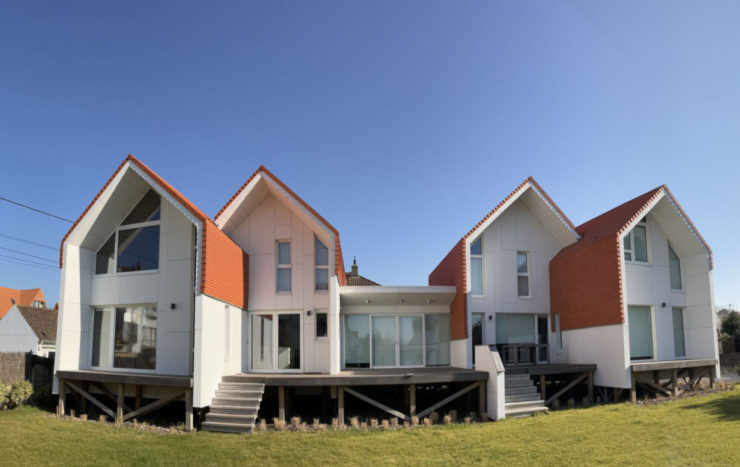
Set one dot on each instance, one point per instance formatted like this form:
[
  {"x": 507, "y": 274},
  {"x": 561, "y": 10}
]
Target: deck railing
[{"x": 523, "y": 354}]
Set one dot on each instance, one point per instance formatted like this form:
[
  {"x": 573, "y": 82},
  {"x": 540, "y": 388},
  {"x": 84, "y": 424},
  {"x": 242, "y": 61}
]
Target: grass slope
[{"x": 698, "y": 430}]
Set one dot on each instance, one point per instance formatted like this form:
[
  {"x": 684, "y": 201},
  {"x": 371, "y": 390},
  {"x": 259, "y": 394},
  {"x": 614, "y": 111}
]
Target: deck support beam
[
  {"x": 566, "y": 388},
  {"x": 281, "y": 403},
  {"x": 449, "y": 399},
  {"x": 62, "y": 393},
  {"x": 591, "y": 387},
  {"x": 119, "y": 405},
  {"x": 90, "y": 397},
  {"x": 674, "y": 382},
  {"x": 375, "y": 403},
  {"x": 188, "y": 409},
  {"x": 340, "y": 404},
  {"x": 543, "y": 387},
  {"x": 412, "y": 400}
]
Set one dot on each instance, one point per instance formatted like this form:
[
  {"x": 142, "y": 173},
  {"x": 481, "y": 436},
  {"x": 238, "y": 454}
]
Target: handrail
[{"x": 523, "y": 354}]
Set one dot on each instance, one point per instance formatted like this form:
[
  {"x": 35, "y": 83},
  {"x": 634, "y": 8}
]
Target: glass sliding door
[
  {"x": 542, "y": 339},
  {"x": 477, "y": 331},
  {"x": 641, "y": 332},
  {"x": 410, "y": 341},
  {"x": 357, "y": 341},
  {"x": 437, "y": 340},
  {"x": 262, "y": 342},
  {"x": 276, "y": 342},
  {"x": 289, "y": 342},
  {"x": 679, "y": 344},
  {"x": 384, "y": 341}
]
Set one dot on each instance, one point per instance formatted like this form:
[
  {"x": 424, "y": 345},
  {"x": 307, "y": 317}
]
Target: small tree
[{"x": 731, "y": 324}]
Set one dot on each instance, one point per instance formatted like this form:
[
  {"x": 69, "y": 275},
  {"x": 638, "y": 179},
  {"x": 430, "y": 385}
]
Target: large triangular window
[{"x": 134, "y": 246}]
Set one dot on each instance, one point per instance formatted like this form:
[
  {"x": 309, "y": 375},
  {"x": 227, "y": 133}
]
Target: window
[
  {"x": 635, "y": 243},
  {"x": 515, "y": 328},
  {"x": 125, "y": 337},
  {"x": 477, "y": 328},
  {"x": 522, "y": 272},
  {"x": 38, "y": 304},
  {"x": 134, "y": 246},
  {"x": 674, "y": 264},
  {"x": 321, "y": 274},
  {"x": 679, "y": 345},
  {"x": 476, "y": 267},
  {"x": 396, "y": 340},
  {"x": 641, "y": 332},
  {"x": 322, "y": 325},
  {"x": 283, "y": 267}
]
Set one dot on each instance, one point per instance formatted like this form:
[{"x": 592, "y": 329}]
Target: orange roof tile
[
  {"x": 20, "y": 297},
  {"x": 338, "y": 258},
  {"x": 224, "y": 277}
]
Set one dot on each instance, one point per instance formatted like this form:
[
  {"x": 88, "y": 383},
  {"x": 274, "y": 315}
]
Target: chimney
[{"x": 354, "y": 265}]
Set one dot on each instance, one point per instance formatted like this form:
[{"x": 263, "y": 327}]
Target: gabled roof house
[
  {"x": 160, "y": 302},
  {"x": 29, "y": 329},
  {"x": 28, "y": 297}
]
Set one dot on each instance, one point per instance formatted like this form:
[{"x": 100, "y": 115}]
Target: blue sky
[{"x": 403, "y": 123}]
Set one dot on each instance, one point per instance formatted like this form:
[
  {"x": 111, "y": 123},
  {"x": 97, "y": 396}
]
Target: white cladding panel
[
  {"x": 271, "y": 221},
  {"x": 603, "y": 345}
]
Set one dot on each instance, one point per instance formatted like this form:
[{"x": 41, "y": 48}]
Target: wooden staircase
[
  {"x": 235, "y": 407},
  {"x": 522, "y": 398}
]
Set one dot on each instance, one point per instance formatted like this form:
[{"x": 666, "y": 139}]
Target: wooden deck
[
  {"x": 671, "y": 364},
  {"x": 119, "y": 377},
  {"x": 365, "y": 377},
  {"x": 551, "y": 369},
  {"x": 666, "y": 377}
]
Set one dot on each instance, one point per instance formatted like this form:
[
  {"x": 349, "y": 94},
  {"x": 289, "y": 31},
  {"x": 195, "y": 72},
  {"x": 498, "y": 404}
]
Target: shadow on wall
[{"x": 726, "y": 409}]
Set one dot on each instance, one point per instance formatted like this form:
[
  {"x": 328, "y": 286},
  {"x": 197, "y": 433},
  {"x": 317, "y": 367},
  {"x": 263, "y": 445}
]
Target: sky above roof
[{"x": 402, "y": 123}]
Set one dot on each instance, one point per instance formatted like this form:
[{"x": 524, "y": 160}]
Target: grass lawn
[{"x": 699, "y": 430}]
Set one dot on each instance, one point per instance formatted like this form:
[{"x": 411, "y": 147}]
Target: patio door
[
  {"x": 397, "y": 341},
  {"x": 276, "y": 342},
  {"x": 542, "y": 338}
]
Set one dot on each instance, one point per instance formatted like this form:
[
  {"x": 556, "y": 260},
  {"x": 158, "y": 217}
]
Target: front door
[
  {"x": 542, "y": 336},
  {"x": 276, "y": 342},
  {"x": 478, "y": 331}
]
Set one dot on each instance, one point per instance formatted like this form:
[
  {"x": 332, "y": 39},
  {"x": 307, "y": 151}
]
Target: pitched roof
[
  {"x": 451, "y": 270},
  {"x": 338, "y": 259},
  {"x": 224, "y": 264},
  {"x": 20, "y": 297},
  {"x": 587, "y": 275},
  {"x": 356, "y": 279},
  {"x": 43, "y": 321}
]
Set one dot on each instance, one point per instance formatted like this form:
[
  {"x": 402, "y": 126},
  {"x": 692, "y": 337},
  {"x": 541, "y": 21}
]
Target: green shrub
[
  {"x": 4, "y": 393},
  {"x": 20, "y": 392}
]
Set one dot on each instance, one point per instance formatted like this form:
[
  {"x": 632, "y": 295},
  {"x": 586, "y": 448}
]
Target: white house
[{"x": 28, "y": 329}]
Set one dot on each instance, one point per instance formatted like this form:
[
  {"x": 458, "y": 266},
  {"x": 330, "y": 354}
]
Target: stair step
[
  {"x": 534, "y": 403},
  {"x": 242, "y": 386},
  {"x": 522, "y": 398},
  {"x": 227, "y": 427},
  {"x": 233, "y": 409},
  {"x": 516, "y": 391},
  {"x": 239, "y": 393},
  {"x": 242, "y": 402},
  {"x": 524, "y": 411},
  {"x": 231, "y": 418},
  {"x": 242, "y": 379},
  {"x": 518, "y": 384}
]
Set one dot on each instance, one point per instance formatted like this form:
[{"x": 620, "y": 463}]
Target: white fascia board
[
  {"x": 628, "y": 228},
  {"x": 401, "y": 289},
  {"x": 691, "y": 228},
  {"x": 555, "y": 211},
  {"x": 222, "y": 219},
  {"x": 188, "y": 215}
]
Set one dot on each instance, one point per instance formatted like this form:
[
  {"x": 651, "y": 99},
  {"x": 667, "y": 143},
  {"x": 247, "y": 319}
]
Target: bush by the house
[{"x": 15, "y": 394}]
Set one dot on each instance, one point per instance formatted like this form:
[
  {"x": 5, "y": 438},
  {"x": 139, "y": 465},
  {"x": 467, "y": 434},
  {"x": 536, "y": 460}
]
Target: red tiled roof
[
  {"x": 451, "y": 270},
  {"x": 224, "y": 264},
  {"x": 586, "y": 283},
  {"x": 338, "y": 259},
  {"x": 21, "y": 297}
]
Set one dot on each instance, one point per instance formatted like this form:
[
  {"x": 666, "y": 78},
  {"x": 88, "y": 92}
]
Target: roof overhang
[{"x": 397, "y": 295}]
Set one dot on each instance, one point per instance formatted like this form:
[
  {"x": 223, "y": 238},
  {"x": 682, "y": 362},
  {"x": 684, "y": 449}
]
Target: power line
[
  {"x": 36, "y": 210},
  {"x": 28, "y": 254},
  {"x": 17, "y": 239},
  {"x": 21, "y": 262},
  {"x": 24, "y": 260}
]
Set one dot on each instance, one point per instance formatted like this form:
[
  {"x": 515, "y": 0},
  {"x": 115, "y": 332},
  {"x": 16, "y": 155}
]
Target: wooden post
[
  {"x": 543, "y": 387},
  {"x": 591, "y": 387},
  {"x": 633, "y": 389},
  {"x": 412, "y": 400},
  {"x": 119, "y": 405},
  {"x": 674, "y": 382},
  {"x": 482, "y": 401},
  {"x": 281, "y": 403},
  {"x": 711, "y": 377},
  {"x": 137, "y": 402},
  {"x": 62, "y": 391},
  {"x": 188, "y": 409},
  {"x": 83, "y": 401},
  {"x": 340, "y": 405},
  {"x": 656, "y": 377}
]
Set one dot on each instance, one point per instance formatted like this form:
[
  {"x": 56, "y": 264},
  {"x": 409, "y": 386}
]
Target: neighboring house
[
  {"x": 354, "y": 278},
  {"x": 29, "y": 297},
  {"x": 29, "y": 329}
]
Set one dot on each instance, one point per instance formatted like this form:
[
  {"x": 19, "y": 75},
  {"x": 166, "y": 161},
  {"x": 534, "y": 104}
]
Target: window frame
[
  {"x": 112, "y": 330},
  {"x": 653, "y": 333},
  {"x": 527, "y": 274},
  {"x": 317, "y": 266},
  {"x": 681, "y": 310},
  {"x": 135, "y": 225},
  {"x": 480, "y": 257},
  {"x": 279, "y": 266},
  {"x": 680, "y": 269},
  {"x": 631, "y": 237}
]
